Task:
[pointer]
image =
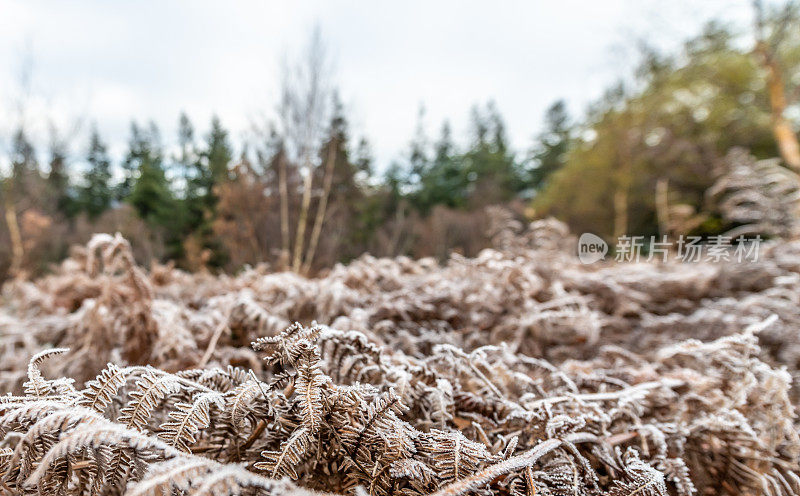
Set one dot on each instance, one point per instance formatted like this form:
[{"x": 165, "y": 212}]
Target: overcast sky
[{"x": 111, "y": 62}]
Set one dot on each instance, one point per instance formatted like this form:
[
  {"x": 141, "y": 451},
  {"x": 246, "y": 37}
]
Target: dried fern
[
  {"x": 99, "y": 392},
  {"x": 150, "y": 391},
  {"x": 188, "y": 419},
  {"x": 517, "y": 372}
]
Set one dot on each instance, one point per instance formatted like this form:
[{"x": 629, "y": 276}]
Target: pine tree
[
  {"x": 58, "y": 182},
  {"x": 344, "y": 169},
  {"x": 186, "y": 160},
  {"x": 23, "y": 162},
  {"x": 550, "y": 151},
  {"x": 363, "y": 157},
  {"x": 218, "y": 152},
  {"x": 444, "y": 181},
  {"x": 96, "y": 194},
  {"x": 149, "y": 194},
  {"x": 189, "y": 210},
  {"x": 137, "y": 145},
  {"x": 492, "y": 173},
  {"x": 211, "y": 169},
  {"x": 418, "y": 153}
]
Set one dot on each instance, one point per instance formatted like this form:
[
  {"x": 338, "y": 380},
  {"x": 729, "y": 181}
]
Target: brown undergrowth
[{"x": 517, "y": 372}]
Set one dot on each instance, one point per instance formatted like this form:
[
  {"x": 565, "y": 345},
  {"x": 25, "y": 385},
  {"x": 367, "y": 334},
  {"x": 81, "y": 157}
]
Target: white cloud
[{"x": 152, "y": 59}]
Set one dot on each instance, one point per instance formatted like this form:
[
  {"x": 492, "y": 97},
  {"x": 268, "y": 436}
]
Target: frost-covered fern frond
[
  {"x": 641, "y": 478},
  {"x": 291, "y": 454},
  {"x": 204, "y": 477},
  {"x": 5, "y": 459},
  {"x": 99, "y": 392},
  {"x": 37, "y": 385},
  {"x": 288, "y": 346},
  {"x": 241, "y": 401},
  {"x": 308, "y": 389},
  {"x": 760, "y": 196},
  {"x": 149, "y": 392},
  {"x": 188, "y": 419}
]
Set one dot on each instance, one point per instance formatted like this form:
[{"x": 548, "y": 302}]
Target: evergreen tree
[
  {"x": 212, "y": 165},
  {"x": 149, "y": 194},
  {"x": 363, "y": 157},
  {"x": 418, "y": 154},
  {"x": 187, "y": 156},
  {"x": 341, "y": 204},
  {"x": 96, "y": 194},
  {"x": 189, "y": 210},
  {"x": 443, "y": 182},
  {"x": 344, "y": 170},
  {"x": 394, "y": 180},
  {"x": 137, "y": 150},
  {"x": 218, "y": 152},
  {"x": 486, "y": 173},
  {"x": 492, "y": 173},
  {"x": 550, "y": 151},
  {"x": 23, "y": 161},
  {"x": 211, "y": 169},
  {"x": 58, "y": 182}
]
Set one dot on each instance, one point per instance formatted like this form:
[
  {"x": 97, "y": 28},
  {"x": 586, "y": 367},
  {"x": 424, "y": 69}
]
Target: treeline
[
  {"x": 207, "y": 204},
  {"x": 649, "y": 158}
]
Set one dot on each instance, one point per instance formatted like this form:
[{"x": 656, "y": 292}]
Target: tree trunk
[
  {"x": 781, "y": 127},
  {"x": 17, "y": 250},
  {"x": 323, "y": 204},
  {"x": 662, "y": 205},
  {"x": 620, "y": 211},
  {"x": 303, "y": 219},
  {"x": 284, "y": 194},
  {"x": 399, "y": 219},
  {"x": 623, "y": 185},
  {"x": 776, "y": 91}
]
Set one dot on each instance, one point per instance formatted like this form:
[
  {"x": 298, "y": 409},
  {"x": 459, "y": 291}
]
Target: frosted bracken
[{"x": 517, "y": 372}]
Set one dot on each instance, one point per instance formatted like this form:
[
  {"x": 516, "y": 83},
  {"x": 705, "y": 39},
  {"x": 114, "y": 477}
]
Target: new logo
[{"x": 591, "y": 248}]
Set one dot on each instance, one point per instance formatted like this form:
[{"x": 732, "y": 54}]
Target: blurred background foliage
[{"x": 303, "y": 194}]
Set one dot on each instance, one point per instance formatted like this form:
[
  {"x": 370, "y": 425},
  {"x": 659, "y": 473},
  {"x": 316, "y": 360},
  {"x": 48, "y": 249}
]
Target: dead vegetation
[{"x": 517, "y": 372}]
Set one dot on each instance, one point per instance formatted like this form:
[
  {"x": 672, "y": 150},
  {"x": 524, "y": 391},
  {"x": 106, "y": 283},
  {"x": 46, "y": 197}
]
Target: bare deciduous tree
[{"x": 305, "y": 92}]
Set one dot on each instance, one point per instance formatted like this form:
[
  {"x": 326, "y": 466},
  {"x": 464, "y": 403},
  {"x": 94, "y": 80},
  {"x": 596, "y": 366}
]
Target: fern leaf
[
  {"x": 37, "y": 385},
  {"x": 240, "y": 402},
  {"x": 93, "y": 437},
  {"x": 413, "y": 470},
  {"x": 45, "y": 433},
  {"x": 308, "y": 387},
  {"x": 99, "y": 392},
  {"x": 642, "y": 479},
  {"x": 234, "y": 479},
  {"x": 293, "y": 450},
  {"x": 199, "y": 476},
  {"x": 5, "y": 459},
  {"x": 23, "y": 415},
  {"x": 453, "y": 456},
  {"x": 188, "y": 420},
  {"x": 172, "y": 476},
  {"x": 288, "y": 346},
  {"x": 149, "y": 393},
  {"x": 491, "y": 472},
  {"x": 379, "y": 416}
]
